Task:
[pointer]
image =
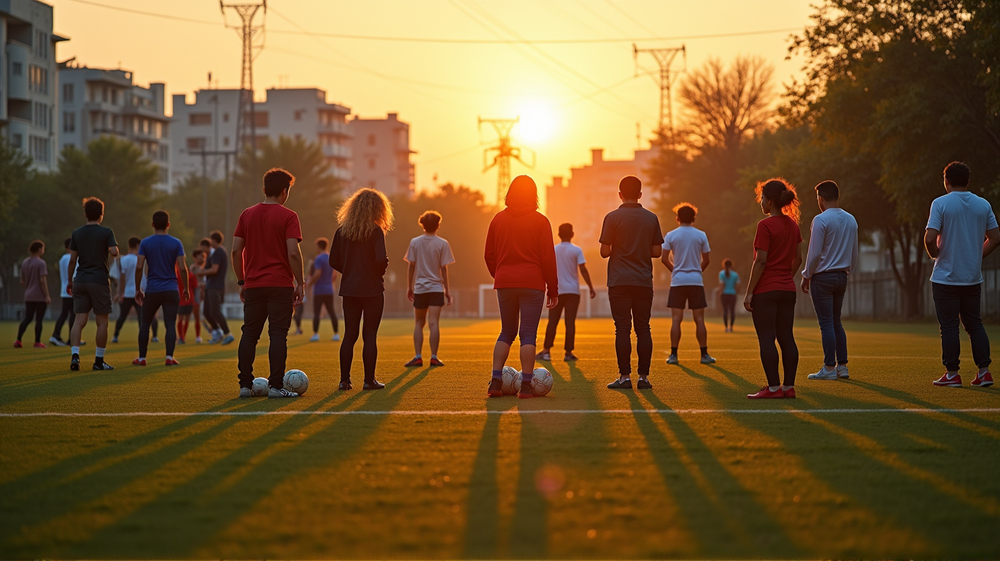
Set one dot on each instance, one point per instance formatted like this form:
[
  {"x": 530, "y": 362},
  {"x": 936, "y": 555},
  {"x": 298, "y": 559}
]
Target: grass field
[{"x": 689, "y": 469}]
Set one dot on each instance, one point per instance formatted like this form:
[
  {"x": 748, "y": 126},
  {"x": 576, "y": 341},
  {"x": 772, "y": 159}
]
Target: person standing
[
  {"x": 267, "y": 261},
  {"x": 961, "y": 231},
  {"x": 197, "y": 291},
  {"x": 686, "y": 255},
  {"x": 427, "y": 285},
  {"x": 67, "y": 301},
  {"x": 186, "y": 305},
  {"x": 126, "y": 289},
  {"x": 162, "y": 255},
  {"x": 321, "y": 279},
  {"x": 831, "y": 257},
  {"x": 215, "y": 289},
  {"x": 729, "y": 282},
  {"x": 570, "y": 265},
  {"x": 522, "y": 261},
  {"x": 770, "y": 295},
  {"x": 90, "y": 245},
  {"x": 35, "y": 280},
  {"x": 630, "y": 239}
]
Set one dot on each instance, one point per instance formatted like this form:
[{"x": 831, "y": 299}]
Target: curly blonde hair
[{"x": 367, "y": 207}]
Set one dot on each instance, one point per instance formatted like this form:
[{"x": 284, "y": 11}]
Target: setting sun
[{"x": 538, "y": 123}]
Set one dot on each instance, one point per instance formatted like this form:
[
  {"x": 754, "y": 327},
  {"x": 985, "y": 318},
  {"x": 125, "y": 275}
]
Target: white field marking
[{"x": 471, "y": 413}]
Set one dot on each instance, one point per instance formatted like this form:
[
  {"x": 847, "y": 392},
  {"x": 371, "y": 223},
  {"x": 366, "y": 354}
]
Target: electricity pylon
[
  {"x": 664, "y": 77},
  {"x": 502, "y": 153}
]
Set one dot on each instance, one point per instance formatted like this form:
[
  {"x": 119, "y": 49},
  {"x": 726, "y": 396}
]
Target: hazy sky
[{"x": 560, "y": 90}]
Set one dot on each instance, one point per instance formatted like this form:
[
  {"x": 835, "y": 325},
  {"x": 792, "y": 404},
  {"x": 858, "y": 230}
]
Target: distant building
[
  {"x": 381, "y": 154},
  {"x": 209, "y": 124},
  {"x": 98, "y": 102},
  {"x": 28, "y": 81}
]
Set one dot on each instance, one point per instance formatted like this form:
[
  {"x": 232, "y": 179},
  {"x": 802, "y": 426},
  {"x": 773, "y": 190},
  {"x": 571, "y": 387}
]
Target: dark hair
[
  {"x": 957, "y": 174},
  {"x": 630, "y": 187},
  {"x": 565, "y": 231},
  {"x": 205, "y": 241},
  {"x": 134, "y": 242},
  {"x": 93, "y": 208},
  {"x": 522, "y": 193},
  {"x": 277, "y": 180},
  {"x": 686, "y": 212},
  {"x": 196, "y": 253},
  {"x": 781, "y": 194},
  {"x": 36, "y": 246},
  {"x": 322, "y": 242},
  {"x": 216, "y": 236},
  {"x": 66, "y": 242},
  {"x": 161, "y": 220},
  {"x": 828, "y": 190},
  {"x": 727, "y": 262},
  {"x": 430, "y": 220}
]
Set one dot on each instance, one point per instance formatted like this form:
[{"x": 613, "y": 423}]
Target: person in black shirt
[
  {"x": 358, "y": 253},
  {"x": 215, "y": 290}
]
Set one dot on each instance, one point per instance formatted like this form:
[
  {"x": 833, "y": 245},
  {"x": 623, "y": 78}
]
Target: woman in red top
[
  {"x": 185, "y": 307},
  {"x": 522, "y": 260},
  {"x": 771, "y": 289}
]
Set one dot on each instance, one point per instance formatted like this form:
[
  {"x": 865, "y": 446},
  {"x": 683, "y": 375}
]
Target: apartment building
[{"x": 381, "y": 154}]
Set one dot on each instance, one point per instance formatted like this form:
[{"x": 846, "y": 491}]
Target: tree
[{"x": 15, "y": 172}]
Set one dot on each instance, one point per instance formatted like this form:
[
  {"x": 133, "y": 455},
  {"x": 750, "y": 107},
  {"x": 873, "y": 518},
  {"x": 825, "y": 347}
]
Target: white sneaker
[
  {"x": 672, "y": 359},
  {"x": 155, "y": 339},
  {"x": 314, "y": 338},
  {"x": 823, "y": 374},
  {"x": 336, "y": 337},
  {"x": 842, "y": 371},
  {"x": 246, "y": 392},
  {"x": 281, "y": 393},
  {"x": 197, "y": 340},
  {"x": 707, "y": 359},
  {"x": 57, "y": 342}
]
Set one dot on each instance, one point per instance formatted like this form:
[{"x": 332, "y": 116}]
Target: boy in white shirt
[
  {"x": 686, "y": 255},
  {"x": 67, "y": 300},
  {"x": 570, "y": 265},
  {"x": 427, "y": 285}
]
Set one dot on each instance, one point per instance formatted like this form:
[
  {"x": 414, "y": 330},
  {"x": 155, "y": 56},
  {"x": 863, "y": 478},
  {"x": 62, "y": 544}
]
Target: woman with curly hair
[
  {"x": 770, "y": 295},
  {"x": 358, "y": 253}
]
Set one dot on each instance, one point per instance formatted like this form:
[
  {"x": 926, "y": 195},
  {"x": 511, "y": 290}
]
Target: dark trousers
[
  {"x": 773, "y": 318},
  {"x": 354, "y": 310},
  {"x": 65, "y": 314},
  {"x": 34, "y": 310},
  {"x": 571, "y": 304},
  {"x": 213, "y": 310},
  {"x": 828, "y": 289},
  {"x": 168, "y": 300},
  {"x": 272, "y": 304},
  {"x": 631, "y": 307},
  {"x": 954, "y": 303},
  {"x": 297, "y": 316},
  {"x": 319, "y": 302},
  {"x": 124, "y": 308},
  {"x": 728, "y": 310},
  {"x": 520, "y": 311}
]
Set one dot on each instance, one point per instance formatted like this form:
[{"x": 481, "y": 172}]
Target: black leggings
[
  {"x": 123, "y": 309},
  {"x": 64, "y": 315},
  {"x": 34, "y": 310},
  {"x": 728, "y": 310},
  {"x": 319, "y": 302},
  {"x": 354, "y": 309},
  {"x": 773, "y": 318},
  {"x": 150, "y": 304}
]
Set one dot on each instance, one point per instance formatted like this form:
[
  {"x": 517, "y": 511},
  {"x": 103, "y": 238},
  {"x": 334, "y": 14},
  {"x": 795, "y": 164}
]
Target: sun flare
[{"x": 538, "y": 123}]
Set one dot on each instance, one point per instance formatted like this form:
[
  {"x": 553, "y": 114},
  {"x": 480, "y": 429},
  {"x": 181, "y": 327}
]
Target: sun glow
[{"x": 538, "y": 123}]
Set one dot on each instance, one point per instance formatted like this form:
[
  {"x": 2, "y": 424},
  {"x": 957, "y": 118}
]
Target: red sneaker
[
  {"x": 526, "y": 394},
  {"x": 139, "y": 362},
  {"x": 171, "y": 362},
  {"x": 39, "y": 345},
  {"x": 947, "y": 382},
  {"x": 414, "y": 362},
  {"x": 766, "y": 393},
  {"x": 495, "y": 389},
  {"x": 17, "y": 344},
  {"x": 436, "y": 362},
  {"x": 984, "y": 381},
  {"x": 789, "y": 393}
]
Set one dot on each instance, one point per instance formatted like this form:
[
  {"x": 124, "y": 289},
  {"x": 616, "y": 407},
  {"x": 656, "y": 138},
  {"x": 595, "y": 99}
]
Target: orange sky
[{"x": 441, "y": 88}]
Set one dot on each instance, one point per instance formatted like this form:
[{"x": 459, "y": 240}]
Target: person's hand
[
  {"x": 69, "y": 287},
  {"x": 48, "y": 299},
  {"x": 138, "y": 296},
  {"x": 186, "y": 295},
  {"x": 243, "y": 294},
  {"x": 409, "y": 294},
  {"x": 748, "y": 302},
  {"x": 298, "y": 296},
  {"x": 447, "y": 297},
  {"x": 593, "y": 294},
  {"x": 118, "y": 298},
  {"x": 551, "y": 302},
  {"x": 805, "y": 285}
]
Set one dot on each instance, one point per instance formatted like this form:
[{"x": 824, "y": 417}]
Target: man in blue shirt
[
  {"x": 159, "y": 254},
  {"x": 321, "y": 280}
]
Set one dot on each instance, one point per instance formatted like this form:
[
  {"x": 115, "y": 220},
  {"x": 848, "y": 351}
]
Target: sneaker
[
  {"x": 824, "y": 374},
  {"x": 83, "y": 344},
  {"x": 214, "y": 340},
  {"x": 197, "y": 340},
  {"x": 643, "y": 384},
  {"x": 345, "y": 385},
  {"x": 314, "y": 338},
  {"x": 275, "y": 392},
  {"x": 947, "y": 382},
  {"x": 496, "y": 388},
  {"x": 707, "y": 359},
  {"x": 139, "y": 362},
  {"x": 17, "y": 345},
  {"x": 171, "y": 362},
  {"x": 115, "y": 339},
  {"x": 766, "y": 393},
  {"x": 156, "y": 339},
  {"x": 373, "y": 385},
  {"x": 246, "y": 392},
  {"x": 298, "y": 332},
  {"x": 570, "y": 357},
  {"x": 181, "y": 342},
  {"x": 672, "y": 359},
  {"x": 414, "y": 362},
  {"x": 103, "y": 366},
  {"x": 543, "y": 356},
  {"x": 74, "y": 362},
  {"x": 984, "y": 381},
  {"x": 842, "y": 371},
  {"x": 39, "y": 345},
  {"x": 621, "y": 384},
  {"x": 789, "y": 393},
  {"x": 228, "y": 339},
  {"x": 526, "y": 392},
  {"x": 336, "y": 337},
  {"x": 57, "y": 342},
  {"x": 436, "y": 362}
]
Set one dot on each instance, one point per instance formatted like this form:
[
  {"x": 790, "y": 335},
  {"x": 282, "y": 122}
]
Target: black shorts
[
  {"x": 428, "y": 299},
  {"x": 691, "y": 296},
  {"x": 92, "y": 296},
  {"x": 185, "y": 310}
]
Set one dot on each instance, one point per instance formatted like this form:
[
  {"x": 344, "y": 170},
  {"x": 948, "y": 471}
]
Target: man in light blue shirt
[
  {"x": 686, "y": 255},
  {"x": 961, "y": 231},
  {"x": 833, "y": 254}
]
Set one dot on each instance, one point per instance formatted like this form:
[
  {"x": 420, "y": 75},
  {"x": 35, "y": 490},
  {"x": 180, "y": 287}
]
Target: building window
[
  {"x": 17, "y": 140},
  {"x": 195, "y": 143},
  {"x": 371, "y": 140},
  {"x": 69, "y": 121},
  {"x": 41, "y": 49},
  {"x": 298, "y": 115},
  {"x": 38, "y": 79},
  {"x": 16, "y": 69},
  {"x": 164, "y": 153},
  {"x": 67, "y": 93},
  {"x": 260, "y": 119},
  {"x": 225, "y": 141},
  {"x": 39, "y": 148},
  {"x": 225, "y": 117},
  {"x": 195, "y": 119},
  {"x": 371, "y": 163}
]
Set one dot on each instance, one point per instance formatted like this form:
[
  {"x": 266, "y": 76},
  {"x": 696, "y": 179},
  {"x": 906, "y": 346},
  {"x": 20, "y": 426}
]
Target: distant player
[
  {"x": 686, "y": 254},
  {"x": 961, "y": 231},
  {"x": 67, "y": 300},
  {"x": 427, "y": 285},
  {"x": 321, "y": 280},
  {"x": 126, "y": 290},
  {"x": 630, "y": 239},
  {"x": 197, "y": 290},
  {"x": 729, "y": 283},
  {"x": 90, "y": 245},
  {"x": 35, "y": 280},
  {"x": 831, "y": 257},
  {"x": 215, "y": 290},
  {"x": 570, "y": 265},
  {"x": 268, "y": 266},
  {"x": 186, "y": 305},
  {"x": 162, "y": 255}
]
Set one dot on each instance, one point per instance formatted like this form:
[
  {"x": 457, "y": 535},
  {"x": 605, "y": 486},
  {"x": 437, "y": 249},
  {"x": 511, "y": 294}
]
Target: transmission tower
[
  {"x": 502, "y": 153},
  {"x": 664, "y": 76}
]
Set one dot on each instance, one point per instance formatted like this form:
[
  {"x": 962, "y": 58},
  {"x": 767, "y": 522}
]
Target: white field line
[{"x": 472, "y": 413}]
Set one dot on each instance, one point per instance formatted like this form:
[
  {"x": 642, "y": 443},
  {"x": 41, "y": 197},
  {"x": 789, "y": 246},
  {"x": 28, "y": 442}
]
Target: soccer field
[{"x": 167, "y": 463}]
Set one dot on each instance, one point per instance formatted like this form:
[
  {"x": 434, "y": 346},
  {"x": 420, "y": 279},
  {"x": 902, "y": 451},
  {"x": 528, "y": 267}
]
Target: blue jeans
[
  {"x": 526, "y": 303},
  {"x": 828, "y": 289}
]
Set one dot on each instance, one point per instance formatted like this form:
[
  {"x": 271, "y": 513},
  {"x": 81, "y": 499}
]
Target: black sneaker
[
  {"x": 103, "y": 366},
  {"x": 496, "y": 388},
  {"x": 621, "y": 384},
  {"x": 373, "y": 385},
  {"x": 74, "y": 363},
  {"x": 345, "y": 385},
  {"x": 643, "y": 384}
]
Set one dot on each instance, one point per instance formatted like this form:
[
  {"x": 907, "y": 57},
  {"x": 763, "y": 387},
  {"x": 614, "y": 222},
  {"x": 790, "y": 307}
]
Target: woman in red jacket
[{"x": 522, "y": 260}]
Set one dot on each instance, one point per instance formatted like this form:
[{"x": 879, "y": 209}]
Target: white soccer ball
[
  {"x": 510, "y": 381},
  {"x": 296, "y": 381},
  {"x": 259, "y": 388},
  {"x": 541, "y": 383}
]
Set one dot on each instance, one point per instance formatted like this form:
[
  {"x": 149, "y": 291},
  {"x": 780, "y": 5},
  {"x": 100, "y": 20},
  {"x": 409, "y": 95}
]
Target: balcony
[
  {"x": 336, "y": 151},
  {"x": 333, "y": 128}
]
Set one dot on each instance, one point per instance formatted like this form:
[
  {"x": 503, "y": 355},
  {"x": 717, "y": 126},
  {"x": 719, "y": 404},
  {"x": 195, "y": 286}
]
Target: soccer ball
[
  {"x": 541, "y": 383},
  {"x": 510, "y": 381},
  {"x": 259, "y": 388},
  {"x": 296, "y": 381}
]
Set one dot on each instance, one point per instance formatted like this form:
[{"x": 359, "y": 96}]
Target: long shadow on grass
[
  {"x": 483, "y": 522},
  {"x": 917, "y": 402}
]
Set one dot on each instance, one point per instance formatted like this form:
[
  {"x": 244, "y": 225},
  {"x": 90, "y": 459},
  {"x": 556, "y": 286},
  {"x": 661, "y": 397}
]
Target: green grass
[{"x": 613, "y": 485}]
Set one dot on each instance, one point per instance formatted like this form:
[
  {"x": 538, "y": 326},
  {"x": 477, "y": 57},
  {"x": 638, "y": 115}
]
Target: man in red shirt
[{"x": 268, "y": 266}]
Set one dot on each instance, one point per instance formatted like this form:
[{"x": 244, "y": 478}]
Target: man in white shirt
[
  {"x": 961, "y": 231},
  {"x": 833, "y": 254},
  {"x": 570, "y": 264},
  {"x": 67, "y": 300},
  {"x": 427, "y": 285},
  {"x": 126, "y": 289},
  {"x": 686, "y": 255}
]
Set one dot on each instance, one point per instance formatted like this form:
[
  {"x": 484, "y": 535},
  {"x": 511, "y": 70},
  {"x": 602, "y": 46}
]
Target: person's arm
[
  {"x": 490, "y": 254},
  {"x": 992, "y": 242},
  {"x": 586, "y": 278},
  {"x": 931, "y": 242},
  {"x": 705, "y": 260},
  {"x": 755, "y": 272},
  {"x": 411, "y": 274},
  {"x": 817, "y": 236},
  {"x": 447, "y": 284},
  {"x": 381, "y": 254},
  {"x": 605, "y": 250},
  {"x": 314, "y": 278},
  {"x": 237, "y": 253},
  {"x": 295, "y": 261},
  {"x": 20, "y": 279},
  {"x": 797, "y": 261},
  {"x": 182, "y": 265},
  {"x": 140, "y": 262},
  {"x": 666, "y": 257},
  {"x": 70, "y": 269},
  {"x": 656, "y": 251},
  {"x": 212, "y": 270},
  {"x": 550, "y": 272},
  {"x": 45, "y": 286}
]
